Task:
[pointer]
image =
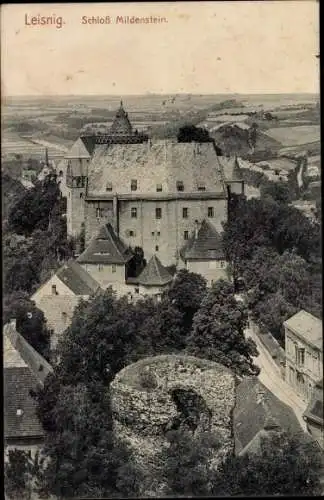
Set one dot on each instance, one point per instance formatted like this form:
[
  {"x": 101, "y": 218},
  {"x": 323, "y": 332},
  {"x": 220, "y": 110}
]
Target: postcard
[{"x": 161, "y": 246}]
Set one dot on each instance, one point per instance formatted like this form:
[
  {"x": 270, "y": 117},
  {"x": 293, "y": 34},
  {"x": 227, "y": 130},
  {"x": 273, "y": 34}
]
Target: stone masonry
[{"x": 142, "y": 414}]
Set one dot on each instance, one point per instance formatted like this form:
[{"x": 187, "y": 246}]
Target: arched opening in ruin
[{"x": 192, "y": 410}]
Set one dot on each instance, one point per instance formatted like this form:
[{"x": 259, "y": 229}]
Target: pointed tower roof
[
  {"x": 154, "y": 274},
  {"x": 121, "y": 124},
  {"x": 78, "y": 150},
  {"x": 205, "y": 244},
  {"x": 237, "y": 174},
  {"x": 106, "y": 248}
]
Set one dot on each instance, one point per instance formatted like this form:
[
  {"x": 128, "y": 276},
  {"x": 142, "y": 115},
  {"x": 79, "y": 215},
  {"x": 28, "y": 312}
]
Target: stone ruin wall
[{"x": 141, "y": 416}]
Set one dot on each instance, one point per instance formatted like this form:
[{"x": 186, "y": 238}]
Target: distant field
[
  {"x": 14, "y": 144},
  {"x": 227, "y": 118},
  {"x": 291, "y": 136}
]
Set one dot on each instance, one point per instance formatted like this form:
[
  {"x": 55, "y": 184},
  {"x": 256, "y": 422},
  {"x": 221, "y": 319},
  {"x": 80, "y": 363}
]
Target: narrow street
[{"x": 271, "y": 378}]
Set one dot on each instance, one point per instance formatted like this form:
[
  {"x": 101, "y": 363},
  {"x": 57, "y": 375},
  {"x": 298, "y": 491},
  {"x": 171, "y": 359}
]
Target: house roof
[
  {"x": 106, "y": 248},
  {"x": 77, "y": 279},
  {"x": 256, "y": 411},
  {"x": 121, "y": 123},
  {"x": 231, "y": 168},
  {"x": 308, "y": 327},
  {"x": 205, "y": 245},
  {"x": 79, "y": 149},
  {"x": 154, "y": 162},
  {"x": 154, "y": 274},
  {"x": 18, "y": 382},
  {"x": 34, "y": 361}
]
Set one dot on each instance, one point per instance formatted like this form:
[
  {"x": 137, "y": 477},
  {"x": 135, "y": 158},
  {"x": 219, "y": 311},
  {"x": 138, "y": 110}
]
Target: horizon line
[{"x": 165, "y": 94}]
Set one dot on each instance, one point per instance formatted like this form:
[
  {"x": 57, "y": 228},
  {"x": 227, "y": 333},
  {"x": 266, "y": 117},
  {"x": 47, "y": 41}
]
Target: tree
[
  {"x": 17, "y": 474},
  {"x": 83, "y": 456},
  {"x": 191, "y": 133},
  {"x": 218, "y": 331},
  {"x": 30, "y": 321},
  {"x": 282, "y": 467},
  {"x": 187, "y": 463},
  {"x": 278, "y": 191},
  {"x": 186, "y": 293}
]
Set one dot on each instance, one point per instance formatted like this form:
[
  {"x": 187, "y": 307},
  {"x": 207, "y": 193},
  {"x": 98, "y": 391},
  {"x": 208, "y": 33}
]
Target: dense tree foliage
[
  {"x": 218, "y": 331},
  {"x": 30, "y": 321},
  {"x": 277, "y": 251},
  {"x": 282, "y": 467}
]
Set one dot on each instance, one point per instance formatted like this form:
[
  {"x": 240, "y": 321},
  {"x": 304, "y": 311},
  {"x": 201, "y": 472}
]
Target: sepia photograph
[{"x": 161, "y": 250}]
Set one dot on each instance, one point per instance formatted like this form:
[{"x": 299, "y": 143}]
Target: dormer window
[
  {"x": 180, "y": 186},
  {"x": 158, "y": 188},
  {"x": 133, "y": 185},
  {"x": 109, "y": 186}
]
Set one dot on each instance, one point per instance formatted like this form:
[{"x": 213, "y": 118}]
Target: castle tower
[
  {"x": 121, "y": 124},
  {"x": 76, "y": 181}
]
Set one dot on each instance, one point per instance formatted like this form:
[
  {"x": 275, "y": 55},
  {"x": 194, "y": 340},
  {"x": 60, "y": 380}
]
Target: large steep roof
[
  {"x": 161, "y": 162},
  {"x": 154, "y": 274},
  {"x": 105, "y": 248},
  {"x": 205, "y": 245}
]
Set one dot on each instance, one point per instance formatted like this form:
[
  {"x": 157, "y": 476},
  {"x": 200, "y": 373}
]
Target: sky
[{"x": 243, "y": 47}]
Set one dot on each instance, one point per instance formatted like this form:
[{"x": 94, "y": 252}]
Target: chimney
[{"x": 196, "y": 229}]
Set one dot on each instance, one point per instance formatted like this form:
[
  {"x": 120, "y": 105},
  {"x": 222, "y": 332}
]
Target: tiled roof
[
  {"x": 77, "y": 279},
  {"x": 106, "y": 248},
  {"x": 154, "y": 274},
  {"x": 34, "y": 361},
  {"x": 308, "y": 327},
  {"x": 205, "y": 245},
  {"x": 11, "y": 357},
  {"x": 160, "y": 162},
  {"x": 255, "y": 408},
  {"x": 18, "y": 381}
]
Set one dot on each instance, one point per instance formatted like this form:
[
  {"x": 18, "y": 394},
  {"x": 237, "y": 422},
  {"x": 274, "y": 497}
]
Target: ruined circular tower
[{"x": 149, "y": 398}]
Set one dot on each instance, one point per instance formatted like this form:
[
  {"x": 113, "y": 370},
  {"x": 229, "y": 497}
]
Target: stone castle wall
[{"x": 142, "y": 416}]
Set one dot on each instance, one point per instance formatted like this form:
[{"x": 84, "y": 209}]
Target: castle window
[
  {"x": 153, "y": 233},
  {"x": 185, "y": 213},
  {"x": 81, "y": 195},
  {"x": 109, "y": 186},
  {"x": 158, "y": 233},
  {"x": 210, "y": 211},
  {"x": 64, "y": 317},
  {"x": 134, "y": 212},
  {"x": 180, "y": 186},
  {"x": 186, "y": 235},
  {"x": 131, "y": 233},
  {"x": 156, "y": 248},
  {"x": 113, "y": 268},
  {"x": 133, "y": 185},
  {"x": 99, "y": 213},
  {"x": 158, "y": 213},
  {"x": 159, "y": 188}
]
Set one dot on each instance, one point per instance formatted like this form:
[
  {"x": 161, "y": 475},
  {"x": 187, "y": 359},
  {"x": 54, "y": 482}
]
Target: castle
[{"x": 154, "y": 194}]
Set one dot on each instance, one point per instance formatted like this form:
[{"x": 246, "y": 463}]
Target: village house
[
  {"x": 304, "y": 353},
  {"x": 151, "y": 192},
  {"x": 24, "y": 370},
  {"x": 61, "y": 293},
  {"x": 203, "y": 253}
]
